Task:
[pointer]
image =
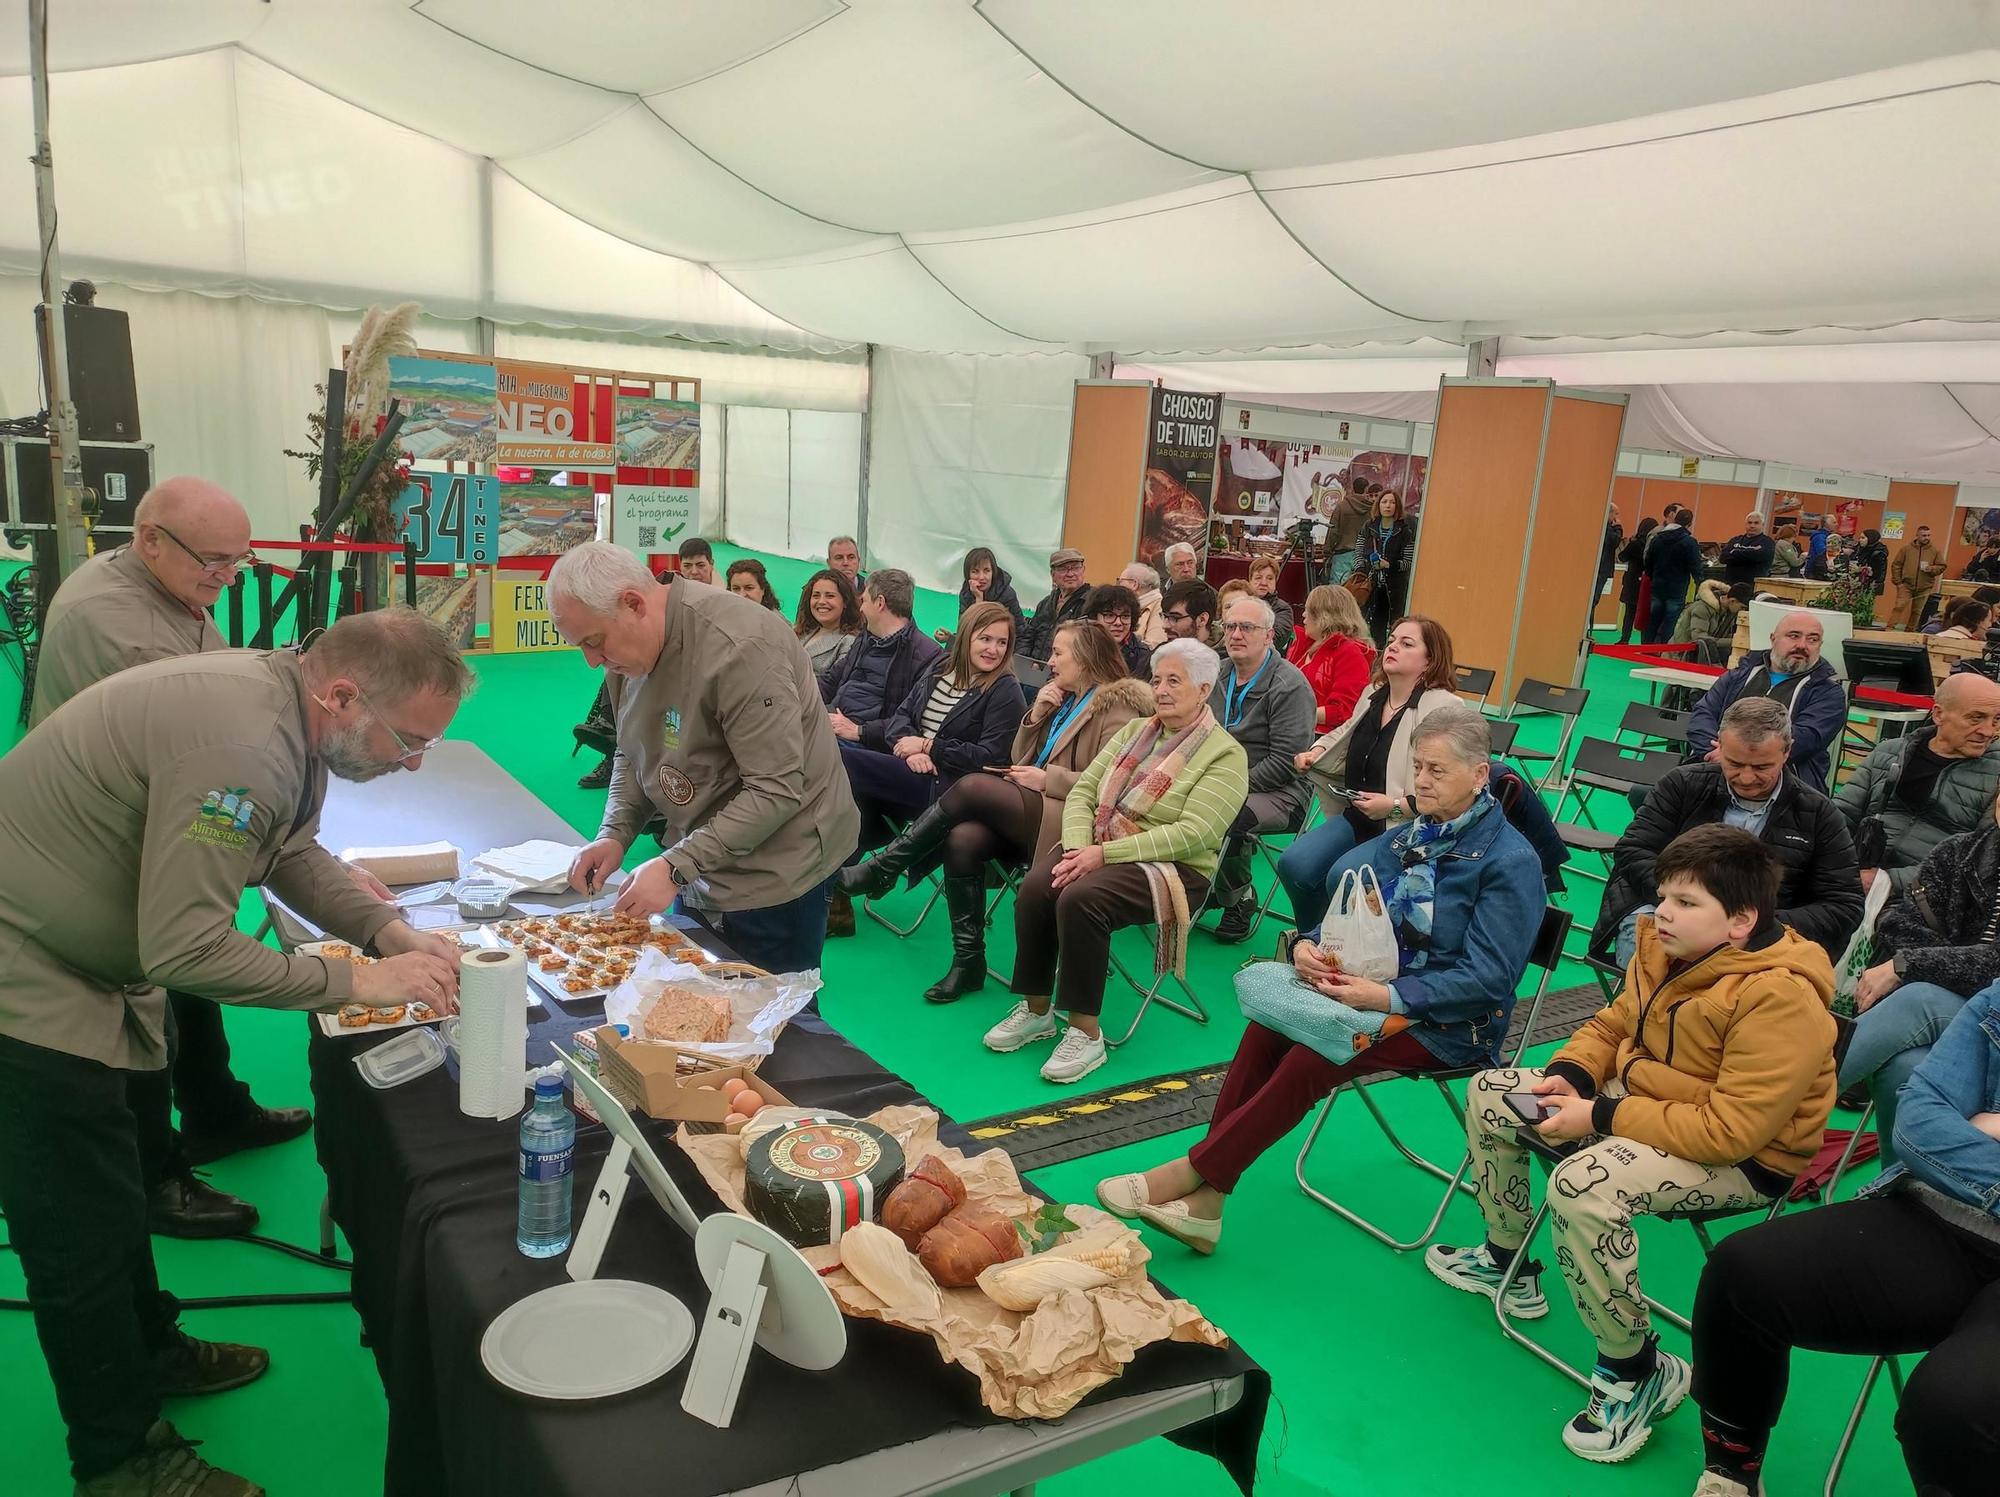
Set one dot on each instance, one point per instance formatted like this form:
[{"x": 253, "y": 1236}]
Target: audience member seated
[
  {"x": 1713, "y": 613},
  {"x": 828, "y": 620},
  {"x": 1713, "y": 1100},
  {"x": 844, "y": 557},
  {"x": 1787, "y": 560},
  {"x": 1386, "y": 549},
  {"x": 1014, "y": 818},
  {"x": 1371, "y": 764},
  {"x": 1985, "y": 564},
  {"x": 1933, "y": 949},
  {"x": 1068, "y": 595},
  {"x": 1263, "y": 583},
  {"x": 697, "y": 560},
  {"x": 1183, "y": 563},
  {"x": 1912, "y": 792},
  {"x": 986, "y": 581},
  {"x": 1145, "y": 585},
  {"x": 747, "y": 579},
  {"x": 1262, "y": 700},
  {"x": 1334, "y": 653},
  {"x": 960, "y": 716},
  {"x": 1527, "y": 815},
  {"x": 1791, "y": 674},
  {"x": 1115, "y": 610},
  {"x": 1673, "y": 561},
  {"x": 870, "y": 681},
  {"x": 1142, "y": 830},
  {"x": 1465, "y": 925},
  {"x": 1746, "y": 557},
  {"x": 1911, "y": 1265},
  {"x": 1189, "y": 611},
  {"x": 1744, "y": 785},
  {"x": 1965, "y": 618},
  {"x": 1228, "y": 593}
]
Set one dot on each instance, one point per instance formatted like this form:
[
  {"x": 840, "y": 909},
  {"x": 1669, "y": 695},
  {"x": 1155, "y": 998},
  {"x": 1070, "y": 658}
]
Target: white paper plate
[{"x": 587, "y": 1340}]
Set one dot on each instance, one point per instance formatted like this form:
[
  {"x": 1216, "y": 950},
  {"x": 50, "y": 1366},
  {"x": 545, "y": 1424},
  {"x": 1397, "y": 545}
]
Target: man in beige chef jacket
[
  {"x": 721, "y": 731},
  {"x": 149, "y": 601},
  {"x": 134, "y": 818}
]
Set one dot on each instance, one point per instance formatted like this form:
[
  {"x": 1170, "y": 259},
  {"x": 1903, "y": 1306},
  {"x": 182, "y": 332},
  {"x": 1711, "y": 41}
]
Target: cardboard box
[{"x": 647, "y": 1075}]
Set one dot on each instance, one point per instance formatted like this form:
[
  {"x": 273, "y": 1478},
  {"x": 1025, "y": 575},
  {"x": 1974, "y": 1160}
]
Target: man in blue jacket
[
  {"x": 1673, "y": 561},
  {"x": 1748, "y": 556},
  {"x": 1792, "y": 673}
]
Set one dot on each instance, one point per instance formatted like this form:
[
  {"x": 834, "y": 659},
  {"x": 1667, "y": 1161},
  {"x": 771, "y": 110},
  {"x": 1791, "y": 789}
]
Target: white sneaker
[
  {"x": 1621, "y": 1415},
  {"x": 1715, "y": 1484},
  {"x": 1077, "y": 1055},
  {"x": 1022, "y": 1026}
]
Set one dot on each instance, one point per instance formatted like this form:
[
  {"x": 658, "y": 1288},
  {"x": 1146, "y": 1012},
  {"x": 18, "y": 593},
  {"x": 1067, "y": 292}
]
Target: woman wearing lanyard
[
  {"x": 1413, "y": 679},
  {"x": 1013, "y": 814}
]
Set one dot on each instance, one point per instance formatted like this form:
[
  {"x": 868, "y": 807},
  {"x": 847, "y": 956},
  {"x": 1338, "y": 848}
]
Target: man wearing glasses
[
  {"x": 1187, "y": 609},
  {"x": 134, "y": 819}
]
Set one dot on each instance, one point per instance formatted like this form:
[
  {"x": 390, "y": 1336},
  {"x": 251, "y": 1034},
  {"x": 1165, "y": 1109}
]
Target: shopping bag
[
  {"x": 1274, "y": 995},
  {"x": 1357, "y": 931},
  {"x": 1860, "y": 947}
]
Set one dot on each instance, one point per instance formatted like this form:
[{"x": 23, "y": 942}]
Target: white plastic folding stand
[
  {"x": 629, "y": 1151},
  {"x": 722, "y": 1355},
  {"x": 761, "y": 1292}
]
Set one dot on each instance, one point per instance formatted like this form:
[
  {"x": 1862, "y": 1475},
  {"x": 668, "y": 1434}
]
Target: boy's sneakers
[
  {"x": 1715, "y": 1484},
  {"x": 1622, "y": 1413},
  {"x": 1474, "y": 1270}
]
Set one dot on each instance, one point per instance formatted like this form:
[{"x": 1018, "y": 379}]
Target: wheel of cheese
[{"x": 813, "y": 1179}]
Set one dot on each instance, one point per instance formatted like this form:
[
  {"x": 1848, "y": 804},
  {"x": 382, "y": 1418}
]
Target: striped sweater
[{"x": 1190, "y": 821}]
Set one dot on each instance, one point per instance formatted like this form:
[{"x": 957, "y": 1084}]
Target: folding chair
[
  {"x": 1472, "y": 682},
  {"x": 1868, "y": 1382},
  {"x": 1524, "y": 1033},
  {"x": 904, "y": 932},
  {"x": 1603, "y": 765},
  {"x": 1149, "y": 993},
  {"x": 1566, "y": 702},
  {"x": 1550, "y": 1157},
  {"x": 1260, "y": 846},
  {"x": 1033, "y": 674},
  {"x": 1504, "y": 731},
  {"x": 1649, "y": 722}
]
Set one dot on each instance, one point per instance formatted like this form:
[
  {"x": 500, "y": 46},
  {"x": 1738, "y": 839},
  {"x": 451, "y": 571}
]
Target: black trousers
[
  {"x": 76, "y": 1214},
  {"x": 197, "y": 1076},
  {"x": 1074, "y": 923},
  {"x": 884, "y": 787},
  {"x": 1871, "y": 1277}
]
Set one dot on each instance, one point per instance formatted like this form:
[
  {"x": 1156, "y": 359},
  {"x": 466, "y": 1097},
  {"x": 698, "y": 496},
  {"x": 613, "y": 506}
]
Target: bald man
[
  {"x": 1791, "y": 673},
  {"x": 144, "y": 602}
]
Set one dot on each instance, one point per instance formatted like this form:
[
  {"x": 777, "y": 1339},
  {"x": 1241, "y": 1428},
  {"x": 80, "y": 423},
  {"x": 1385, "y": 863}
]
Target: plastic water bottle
[{"x": 548, "y": 1159}]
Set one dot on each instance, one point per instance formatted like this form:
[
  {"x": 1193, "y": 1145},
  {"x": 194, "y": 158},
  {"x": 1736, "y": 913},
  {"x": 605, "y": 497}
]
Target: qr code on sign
[{"x": 649, "y": 536}]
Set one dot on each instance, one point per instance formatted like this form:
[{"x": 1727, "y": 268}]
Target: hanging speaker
[{"x": 100, "y": 371}]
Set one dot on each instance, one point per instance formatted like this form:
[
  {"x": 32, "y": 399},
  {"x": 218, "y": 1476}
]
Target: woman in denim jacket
[{"x": 1912, "y": 1265}]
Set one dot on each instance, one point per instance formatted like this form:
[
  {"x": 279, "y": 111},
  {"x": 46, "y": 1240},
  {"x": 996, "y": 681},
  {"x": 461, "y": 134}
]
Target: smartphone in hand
[{"x": 1529, "y": 1107}]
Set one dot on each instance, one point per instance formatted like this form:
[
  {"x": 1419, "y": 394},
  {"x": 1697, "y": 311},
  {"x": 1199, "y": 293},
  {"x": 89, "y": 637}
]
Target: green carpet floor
[{"x": 1385, "y": 1382}]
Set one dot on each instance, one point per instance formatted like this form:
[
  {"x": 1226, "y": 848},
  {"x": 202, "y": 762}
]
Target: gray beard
[{"x": 346, "y": 755}]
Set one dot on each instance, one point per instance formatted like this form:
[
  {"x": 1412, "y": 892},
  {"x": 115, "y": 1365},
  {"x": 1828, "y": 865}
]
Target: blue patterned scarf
[{"x": 1411, "y": 891}]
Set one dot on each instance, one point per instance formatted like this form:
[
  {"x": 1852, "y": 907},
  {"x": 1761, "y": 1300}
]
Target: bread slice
[{"x": 681, "y": 1016}]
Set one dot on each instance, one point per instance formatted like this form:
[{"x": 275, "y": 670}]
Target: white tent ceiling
[{"x": 1264, "y": 176}]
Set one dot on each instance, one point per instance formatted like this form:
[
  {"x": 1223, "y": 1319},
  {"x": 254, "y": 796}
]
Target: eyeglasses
[
  {"x": 402, "y": 743},
  {"x": 1240, "y": 628},
  {"x": 209, "y": 564}
]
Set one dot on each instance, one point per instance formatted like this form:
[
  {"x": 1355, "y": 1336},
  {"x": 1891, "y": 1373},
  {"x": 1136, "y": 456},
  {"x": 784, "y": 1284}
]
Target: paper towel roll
[{"x": 492, "y": 1031}]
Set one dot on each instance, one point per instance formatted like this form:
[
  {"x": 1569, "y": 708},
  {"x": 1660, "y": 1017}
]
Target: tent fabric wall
[{"x": 966, "y": 450}]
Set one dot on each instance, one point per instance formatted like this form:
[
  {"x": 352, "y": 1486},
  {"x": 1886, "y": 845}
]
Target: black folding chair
[
  {"x": 1603, "y": 765},
  {"x": 1566, "y": 702},
  {"x": 1033, "y": 674},
  {"x": 1868, "y": 1381},
  {"x": 1472, "y": 682},
  {"x": 1503, "y": 732},
  {"x": 1525, "y": 1032},
  {"x": 1149, "y": 993},
  {"x": 1649, "y": 722}
]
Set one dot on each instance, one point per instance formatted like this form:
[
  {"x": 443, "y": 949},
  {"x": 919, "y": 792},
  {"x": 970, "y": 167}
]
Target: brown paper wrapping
[{"x": 1034, "y": 1366}]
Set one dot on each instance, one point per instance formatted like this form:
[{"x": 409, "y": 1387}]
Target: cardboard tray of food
[{"x": 580, "y": 958}]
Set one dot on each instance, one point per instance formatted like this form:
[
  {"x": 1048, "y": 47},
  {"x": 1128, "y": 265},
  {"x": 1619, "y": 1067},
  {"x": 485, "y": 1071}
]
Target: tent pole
[
  {"x": 861, "y": 491},
  {"x": 1482, "y": 358},
  {"x": 72, "y": 501}
]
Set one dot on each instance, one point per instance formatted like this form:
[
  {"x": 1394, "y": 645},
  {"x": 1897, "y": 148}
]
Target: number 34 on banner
[{"x": 452, "y": 517}]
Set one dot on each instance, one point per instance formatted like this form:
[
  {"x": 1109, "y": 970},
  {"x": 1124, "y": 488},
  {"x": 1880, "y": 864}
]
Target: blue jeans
[
  {"x": 786, "y": 937},
  {"x": 1890, "y": 1041},
  {"x": 1307, "y": 864},
  {"x": 1628, "y": 936},
  {"x": 1666, "y": 613}
]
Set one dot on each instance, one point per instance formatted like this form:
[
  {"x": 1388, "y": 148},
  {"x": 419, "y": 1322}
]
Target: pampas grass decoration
[{"x": 381, "y": 337}]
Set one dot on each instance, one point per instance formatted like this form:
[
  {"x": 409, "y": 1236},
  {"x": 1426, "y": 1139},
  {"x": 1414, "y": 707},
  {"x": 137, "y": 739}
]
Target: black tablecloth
[{"x": 426, "y": 1197}]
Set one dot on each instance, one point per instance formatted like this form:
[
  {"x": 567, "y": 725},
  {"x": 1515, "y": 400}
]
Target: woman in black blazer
[
  {"x": 1385, "y": 548},
  {"x": 960, "y": 716}
]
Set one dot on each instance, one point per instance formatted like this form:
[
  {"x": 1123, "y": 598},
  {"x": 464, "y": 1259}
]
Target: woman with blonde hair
[
  {"x": 960, "y": 715},
  {"x": 1012, "y": 816},
  {"x": 1334, "y": 652}
]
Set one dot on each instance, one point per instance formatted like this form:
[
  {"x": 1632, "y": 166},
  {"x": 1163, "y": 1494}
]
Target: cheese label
[{"x": 825, "y": 1152}]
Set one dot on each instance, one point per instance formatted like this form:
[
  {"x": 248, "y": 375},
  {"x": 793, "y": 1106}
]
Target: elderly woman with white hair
[
  {"x": 1142, "y": 830},
  {"x": 1464, "y": 892}
]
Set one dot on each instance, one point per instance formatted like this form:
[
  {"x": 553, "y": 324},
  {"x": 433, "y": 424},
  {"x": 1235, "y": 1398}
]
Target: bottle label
[{"x": 538, "y": 1164}]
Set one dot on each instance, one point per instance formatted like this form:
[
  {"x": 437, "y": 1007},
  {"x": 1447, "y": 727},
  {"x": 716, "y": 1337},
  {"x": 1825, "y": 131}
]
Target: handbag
[
  {"x": 1855, "y": 960},
  {"x": 1361, "y": 584},
  {"x": 1357, "y": 931},
  {"x": 1274, "y": 995}
]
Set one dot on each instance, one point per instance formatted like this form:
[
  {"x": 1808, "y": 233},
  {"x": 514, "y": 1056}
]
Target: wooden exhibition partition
[
  {"x": 1514, "y": 508},
  {"x": 1107, "y": 473}
]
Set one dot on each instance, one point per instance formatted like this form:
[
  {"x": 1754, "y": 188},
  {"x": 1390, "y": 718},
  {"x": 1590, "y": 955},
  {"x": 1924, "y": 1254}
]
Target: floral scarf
[
  {"x": 1411, "y": 891},
  {"x": 1137, "y": 782}
]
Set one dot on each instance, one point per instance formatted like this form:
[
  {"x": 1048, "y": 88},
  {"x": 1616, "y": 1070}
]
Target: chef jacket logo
[
  {"x": 223, "y": 819},
  {"x": 675, "y": 786},
  {"x": 670, "y": 729}
]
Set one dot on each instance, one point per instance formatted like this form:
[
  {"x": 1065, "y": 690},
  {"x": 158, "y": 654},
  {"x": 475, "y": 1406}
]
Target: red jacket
[{"x": 1337, "y": 669}]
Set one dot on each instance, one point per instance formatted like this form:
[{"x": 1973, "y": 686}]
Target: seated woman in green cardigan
[{"x": 1142, "y": 830}]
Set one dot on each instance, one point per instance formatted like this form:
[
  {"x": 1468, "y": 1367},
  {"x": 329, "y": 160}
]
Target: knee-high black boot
[
  {"x": 914, "y": 843},
  {"x": 965, "y": 903}
]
